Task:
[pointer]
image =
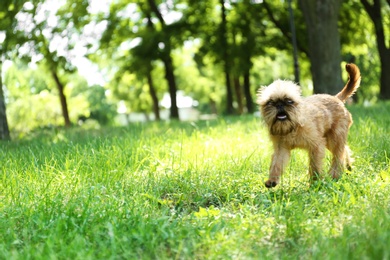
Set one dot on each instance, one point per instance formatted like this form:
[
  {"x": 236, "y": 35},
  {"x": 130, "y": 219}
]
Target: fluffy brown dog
[{"x": 313, "y": 123}]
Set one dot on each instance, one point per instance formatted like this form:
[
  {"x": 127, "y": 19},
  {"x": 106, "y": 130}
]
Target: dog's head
[{"x": 279, "y": 106}]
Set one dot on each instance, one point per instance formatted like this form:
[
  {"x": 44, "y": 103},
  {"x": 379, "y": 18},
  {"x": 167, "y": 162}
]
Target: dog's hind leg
[
  {"x": 348, "y": 158},
  {"x": 316, "y": 157},
  {"x": 336, "y": 143},
  {"x": 339, "y": 160}
]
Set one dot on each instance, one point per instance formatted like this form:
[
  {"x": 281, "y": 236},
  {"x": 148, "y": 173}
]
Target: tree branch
[
  {"x": 154, "y": 8},
  {"x": 284, "y": 31},
  {"x": 369, "y": 8}
]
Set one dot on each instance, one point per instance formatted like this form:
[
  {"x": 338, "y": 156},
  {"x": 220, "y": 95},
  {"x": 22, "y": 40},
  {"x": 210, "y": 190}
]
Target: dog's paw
[{"x": 270, "y": 184}]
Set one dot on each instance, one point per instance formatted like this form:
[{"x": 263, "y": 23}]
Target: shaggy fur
[{"x": 313, "y": 123}]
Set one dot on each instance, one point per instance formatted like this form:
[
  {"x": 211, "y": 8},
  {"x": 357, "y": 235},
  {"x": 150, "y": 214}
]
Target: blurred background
[{"x": 112, "y": 62}]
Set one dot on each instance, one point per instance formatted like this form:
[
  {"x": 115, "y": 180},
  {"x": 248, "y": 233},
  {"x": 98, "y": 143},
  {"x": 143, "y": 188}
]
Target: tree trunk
[
  {"x": 229, "y": 93},
  {"x": 152, "y": 90},
  {"x": 224, "y": 43},
  {"x": 153, "y": 95},
  {"x": 64, "y": 106},
  {"x": 248, "y": 46},
  {"x": 237, "y": 89},
  {"x": 4, "y": 130},
  {"x": 321, "y": 18},
  {"x": 385, "y": 75},
  {"x": 213, "y": 107},
  {"x": 170, "y": 77},
  {"x": 247, "y": 92},
  {"x": 294, "y": 43},
  {"x": 168, "y": 63},
  {"x": 374, "y": 11}
]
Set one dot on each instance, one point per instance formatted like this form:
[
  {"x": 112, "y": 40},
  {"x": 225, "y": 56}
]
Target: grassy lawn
[{"x": 191, "y": 191}]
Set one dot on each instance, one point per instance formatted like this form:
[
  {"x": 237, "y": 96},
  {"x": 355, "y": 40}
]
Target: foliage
[
  {"x": 190, "y": 190},
  {"x": 204, "y": 85},
  {"x": 360, "y": 50},
  {"x": 11, "y": 35},
  {"x": 33, "y": 100},
  {"x": 130, "y": 41},
  {"x": 101, "y": 110}
]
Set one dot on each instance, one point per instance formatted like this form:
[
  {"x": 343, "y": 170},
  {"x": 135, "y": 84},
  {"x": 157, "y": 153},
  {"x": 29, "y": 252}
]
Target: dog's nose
[{"x": 279, "y": 106}]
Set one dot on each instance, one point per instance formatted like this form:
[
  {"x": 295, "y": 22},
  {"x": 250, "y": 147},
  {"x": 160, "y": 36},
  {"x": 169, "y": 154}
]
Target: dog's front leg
[{"x": 280, "y": 159}]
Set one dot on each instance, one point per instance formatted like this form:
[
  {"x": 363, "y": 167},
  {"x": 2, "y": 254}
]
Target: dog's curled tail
[{"x": 352, "y": 84}]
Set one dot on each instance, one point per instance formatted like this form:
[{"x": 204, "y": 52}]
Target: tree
[
  {"x": 249, "y": 48},
  {"x": 249, "y": 41},
  {"x": 143, "y": 39},
  {"x": 294, "y": 42},
  {"x": 167, "y": 59},
  {"x": 355, "y": 36},
  {"x": 324, "y": 44},
  {"x": 374, "y": 10},
  {"x": 41, "y": 37},
  {"x": 10, "y": 37},
  {"x": 4, "y": 129},
  {"x": 32, "y": 98},
  {"x": 226, "y": 59},
  {"x": 278, "y": 15},
  {"x": 132, "y": 65},
  {"x": 142, "y": 63},
  {"x": 232, "y": 45}
]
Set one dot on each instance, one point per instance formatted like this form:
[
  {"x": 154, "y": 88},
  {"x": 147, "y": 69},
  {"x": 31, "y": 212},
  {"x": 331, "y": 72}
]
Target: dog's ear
[{"x": 262, "y": 97}]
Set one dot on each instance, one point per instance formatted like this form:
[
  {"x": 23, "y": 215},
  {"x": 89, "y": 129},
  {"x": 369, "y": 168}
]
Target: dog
[{"x": 313, "y": 123}]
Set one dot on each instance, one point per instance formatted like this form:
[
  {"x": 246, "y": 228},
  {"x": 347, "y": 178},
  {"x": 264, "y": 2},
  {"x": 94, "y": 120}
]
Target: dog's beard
[
  {"x": 280, "y": 122},
  {"x": 282, "y": 127}
]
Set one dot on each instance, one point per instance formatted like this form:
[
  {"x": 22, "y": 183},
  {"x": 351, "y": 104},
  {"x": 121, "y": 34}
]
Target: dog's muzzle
[{"x": 281, "y": 116}]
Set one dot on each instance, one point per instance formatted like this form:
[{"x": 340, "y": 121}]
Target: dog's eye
[
  {"x": 289, "y": 102},
  {"x": 270, "y": 103}
]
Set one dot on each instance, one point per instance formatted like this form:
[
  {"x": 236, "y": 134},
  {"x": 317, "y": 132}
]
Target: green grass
[{"x": 190, "y": 191}]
